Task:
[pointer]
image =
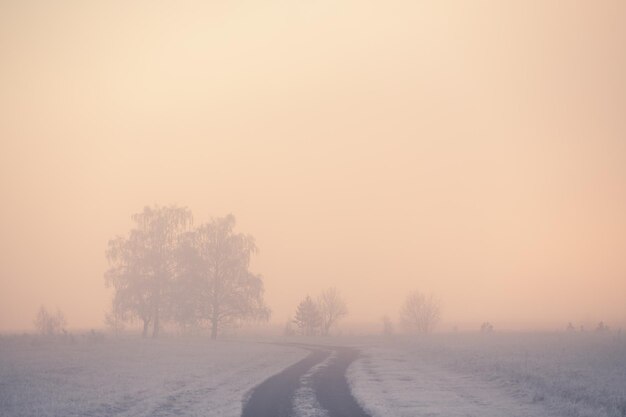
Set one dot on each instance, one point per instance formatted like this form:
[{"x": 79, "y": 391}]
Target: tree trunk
[
  {"x": 155, "y": 328},
  {"x": 215, "y": 317},
  {"x": 146, "y": 324},
  {"x": 214, "y": 329}
]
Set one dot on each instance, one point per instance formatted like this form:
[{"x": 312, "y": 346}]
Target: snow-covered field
[
  {"x": 133, "y": 377},
  {"x": 440, "y": 375},
  {"x": 493, "y": 375}
]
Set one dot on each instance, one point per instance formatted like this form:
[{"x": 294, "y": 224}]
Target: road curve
[
  {"x": 332, "y": 389},
  {"x": 275, "y": 396}
]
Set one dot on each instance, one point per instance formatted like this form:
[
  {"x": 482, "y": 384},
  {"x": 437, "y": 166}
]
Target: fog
[{"x": 472, "y": 150}]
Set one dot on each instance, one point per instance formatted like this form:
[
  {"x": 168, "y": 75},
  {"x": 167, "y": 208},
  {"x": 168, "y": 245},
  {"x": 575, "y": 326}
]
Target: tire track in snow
[
  {"x": 274, "y": 397},
  {"x": 332, "y": 388},
  {"x": 316, "y": 386}
]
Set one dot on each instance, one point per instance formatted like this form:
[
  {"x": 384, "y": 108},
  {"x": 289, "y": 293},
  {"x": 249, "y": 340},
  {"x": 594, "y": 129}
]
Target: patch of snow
[
  {"x": 493, "y": 375},
  {"x": 133, "y": 377},
  {"x": 305, "y": 403}
]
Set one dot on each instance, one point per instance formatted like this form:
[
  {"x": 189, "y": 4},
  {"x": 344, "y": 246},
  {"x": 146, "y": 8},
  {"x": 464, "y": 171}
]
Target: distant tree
[
  {"x": 486, "y": 327},
  {"x": 420, "y": 313},
  {"x": 289, "y": 330},
  {"x": 50, "y": 323},
  {"x": 308, "y": 317},
  {"x": 215, "y": 281},
  {"x": 602, "y": 328},
  {"x": 332, "y": 308},
  {"x": 143, "y": 265},
  {"x": 570, "y": 328},
  {"x": 387, "y": 326}
]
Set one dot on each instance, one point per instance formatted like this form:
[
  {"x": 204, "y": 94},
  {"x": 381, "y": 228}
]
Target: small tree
[
  {"x": 308, "y": 317},
  {"x": 420, "y": 313},
  {"x": 332, "y": 308},
  {"x": 602, "y": 328},
  {"x": 49, "y": 324},
  {"x": 387, "y": 326},
  {"x": 486, "y": 327}
]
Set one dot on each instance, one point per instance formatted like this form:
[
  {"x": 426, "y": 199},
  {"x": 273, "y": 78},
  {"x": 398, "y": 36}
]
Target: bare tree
[
  {"x": 215, "y": 281},
  {"x": 308, "y": 317},
  {"x": 420, "y": 313},
  {"x": 332, "y": 308},
  {"x": 486, "y": 327},
  {"x": 143, "y": 265},
  {"x": 387, "y": 326},
  {"x": 49, "y": 324}
]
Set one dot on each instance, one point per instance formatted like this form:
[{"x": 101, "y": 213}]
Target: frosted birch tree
[
  {"x": 215, "y": 280},
  {"x": 143, "y": 265}
]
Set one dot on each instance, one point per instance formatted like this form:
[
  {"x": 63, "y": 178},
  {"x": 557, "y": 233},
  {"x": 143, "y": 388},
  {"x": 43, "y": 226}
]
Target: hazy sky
[{"x": 473, "y": 149}]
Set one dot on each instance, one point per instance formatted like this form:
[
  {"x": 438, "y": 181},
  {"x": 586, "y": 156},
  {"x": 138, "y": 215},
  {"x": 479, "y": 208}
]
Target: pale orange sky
[{"x": 476, "y": 150}]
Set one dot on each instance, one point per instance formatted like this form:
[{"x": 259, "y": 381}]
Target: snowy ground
[
  {"x": 133, "y": 377},
  {"x": 578, "y": 375},
  {"x": 493, "y": 375}
]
